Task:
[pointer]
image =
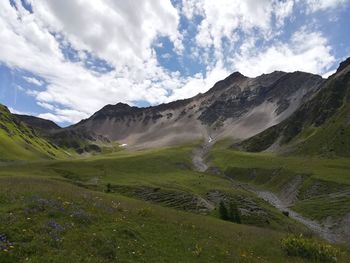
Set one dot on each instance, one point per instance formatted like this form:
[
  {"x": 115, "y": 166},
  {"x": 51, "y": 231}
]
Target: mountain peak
[
  {"x": 116, "y": 107},
  {"x": 4, "y": 108},
  {"x": 343, "y": 64},
  {"x": 235, "y": 76},
  {"x": 121, "y": 105}
]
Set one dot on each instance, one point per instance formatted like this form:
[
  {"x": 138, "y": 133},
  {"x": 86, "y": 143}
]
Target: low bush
[
  {"x": 231, "y": 214},
  {"x": 307, "y": 248}
]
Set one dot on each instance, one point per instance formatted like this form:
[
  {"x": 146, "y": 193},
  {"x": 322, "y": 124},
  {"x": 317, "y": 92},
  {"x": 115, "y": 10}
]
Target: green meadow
[{"x": 144, "y": 206}]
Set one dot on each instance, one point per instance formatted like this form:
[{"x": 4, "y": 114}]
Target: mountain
[
  {"x": 21, "y": 142},
  {"x": 320, "y": 126},
  {"x": 42, "y": 125},
  {"x": 238, "y": 107},
  {"x": 76, "y": 139}
]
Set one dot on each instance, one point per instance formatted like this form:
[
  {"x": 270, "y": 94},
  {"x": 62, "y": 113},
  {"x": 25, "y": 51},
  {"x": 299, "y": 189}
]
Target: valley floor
[{"x": 152, "y": 206}]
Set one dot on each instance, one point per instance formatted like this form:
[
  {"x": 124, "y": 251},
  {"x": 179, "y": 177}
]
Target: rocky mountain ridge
[
  {"x": 319, "y": 126},
  {"x": 236, "y": 107}
]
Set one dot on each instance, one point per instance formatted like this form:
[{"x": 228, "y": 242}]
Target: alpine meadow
[{"x": 174, "y": 131}]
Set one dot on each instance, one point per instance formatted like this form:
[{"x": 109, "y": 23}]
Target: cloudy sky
[{"x": 63, "y": 60}]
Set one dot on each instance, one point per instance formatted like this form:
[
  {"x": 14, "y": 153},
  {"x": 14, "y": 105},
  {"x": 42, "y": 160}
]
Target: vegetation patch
[
  {"x": 175, "y": 199},
  {"x": 300, "y": 246}
]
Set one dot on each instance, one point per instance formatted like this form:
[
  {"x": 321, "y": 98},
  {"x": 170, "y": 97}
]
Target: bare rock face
[
  {"x": 236, "y": 107},
  {"x": 325, "y": 114}
]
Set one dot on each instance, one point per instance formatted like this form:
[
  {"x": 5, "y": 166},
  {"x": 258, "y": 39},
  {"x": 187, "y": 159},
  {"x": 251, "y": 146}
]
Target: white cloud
[
  {"x": 329, "y": 73},
  {"x": 319, "y": 5},
  {"x": 124, "y": 34},
  {"x": 306, "y": 51},
  {"x": 199, "y": 83},
  {"x": 14, "y": 111},
  {"x": 125, "y": 41},
  {"x": 33, "y": 81},
  {"x": 245, "y": 23},
  {"x": 46, "y": 105},
  {"x": 61, "y": 115},
  {"x": 223, "y": 19},
  {"x": 118, "y": 31}
]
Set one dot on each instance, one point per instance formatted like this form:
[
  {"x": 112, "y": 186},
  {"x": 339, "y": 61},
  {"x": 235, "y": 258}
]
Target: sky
[{"x": 64, "y": 60}]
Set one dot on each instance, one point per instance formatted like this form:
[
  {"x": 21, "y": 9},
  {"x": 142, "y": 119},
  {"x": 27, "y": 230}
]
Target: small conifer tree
[{"x": 223, "y": 211}]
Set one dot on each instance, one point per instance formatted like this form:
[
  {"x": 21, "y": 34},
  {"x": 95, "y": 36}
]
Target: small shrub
[
  {"x": 223, "y": 211},
  {"x": 230, "y": 214},
  {"x": 146, "y": 211},
  {"x": 300, "y": 246},
  {"x": 108, "y": 188},
  {"x": 286, "y": 213},
  {"x": 234, "y": 215}
]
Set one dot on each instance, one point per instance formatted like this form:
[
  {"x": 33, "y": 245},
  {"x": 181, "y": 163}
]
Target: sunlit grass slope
[
  {"x": 19, "y": 142},
  {"x": 325, "y": 189}
]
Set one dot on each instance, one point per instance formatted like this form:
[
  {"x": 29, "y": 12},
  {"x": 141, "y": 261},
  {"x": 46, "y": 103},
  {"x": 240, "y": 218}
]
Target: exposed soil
[{"x": 198, "y": 155}]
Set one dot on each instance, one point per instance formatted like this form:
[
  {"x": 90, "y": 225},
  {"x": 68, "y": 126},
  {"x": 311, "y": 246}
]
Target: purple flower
[
  {"x": 54, "y": 226},
  {"x": 5, "y": 244}
]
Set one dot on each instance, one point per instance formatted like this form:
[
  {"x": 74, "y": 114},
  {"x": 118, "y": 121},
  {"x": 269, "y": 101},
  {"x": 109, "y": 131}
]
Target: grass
[
  {"x": 19, "y": 142},
  {"x": 332, "y": 170},
  {"x": 321, "y": 207},
  {"x": 326, "y": 182},
  {"x": 137, "y": 174},
  {"x": 331, "y": 139},
  {"x": 52, "y": 221},
  {"x": 47, "y": 207}
]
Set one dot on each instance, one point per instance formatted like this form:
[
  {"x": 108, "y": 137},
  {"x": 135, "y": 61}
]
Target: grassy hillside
[
  {"x": 319, "y": 127},
  {"x": 52, "y": 221},
  {"x": 325, "y": 183},
  {"x": 19, "y": 142},
  {"x": 144, "y": 206},
  {"x": 162, "y": 176}
]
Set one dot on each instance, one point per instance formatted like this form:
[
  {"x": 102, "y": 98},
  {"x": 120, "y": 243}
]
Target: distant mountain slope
[
  {"x": 320, "y": 126},
  {"x": 20, "y": 142},
  {"x": 77, "y": 139},
  {"x": 237, "y": 107},
  {"x": 42, "y": 125}
]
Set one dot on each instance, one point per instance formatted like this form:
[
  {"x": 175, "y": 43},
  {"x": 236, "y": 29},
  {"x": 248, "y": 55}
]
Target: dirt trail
[{"x": 198, "y": 155}]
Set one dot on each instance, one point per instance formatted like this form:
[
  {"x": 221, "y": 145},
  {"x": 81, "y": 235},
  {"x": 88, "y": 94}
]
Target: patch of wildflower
[
  {"x": 5, "y": 244},
  {"x": 38, "y": 204},
  {"x": 81, "y": 216},
  {"x": 248, "y": 256},
  {"x": 52, "y": 224},
  {"x": 55, "y": 230},
  {"x": 197, "y": 250},
  {"x": 307, "y": 248}
]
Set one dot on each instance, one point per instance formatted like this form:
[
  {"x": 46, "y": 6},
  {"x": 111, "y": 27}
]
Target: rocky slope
[
  {"x": 238, "y": 107},
  {"x": 319, "y": 126}
]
